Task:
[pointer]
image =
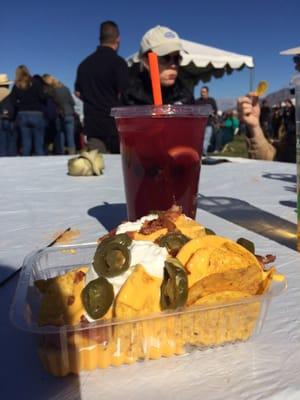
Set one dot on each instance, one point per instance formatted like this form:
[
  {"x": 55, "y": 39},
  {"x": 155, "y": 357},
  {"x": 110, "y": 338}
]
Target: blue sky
[{"x": 53, "y": 37}]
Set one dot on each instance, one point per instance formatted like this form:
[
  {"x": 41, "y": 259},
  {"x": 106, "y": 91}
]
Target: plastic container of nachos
[{"x": 100, "y": 344}]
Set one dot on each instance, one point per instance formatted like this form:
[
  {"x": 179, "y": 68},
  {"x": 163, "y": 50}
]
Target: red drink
[{"x": 161, "y": 151}]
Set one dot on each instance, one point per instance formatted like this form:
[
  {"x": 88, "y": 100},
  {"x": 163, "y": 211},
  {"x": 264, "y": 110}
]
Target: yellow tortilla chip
[
  {"x": 247, "y": 280},
  {"x": 241, "y": 251},
  {"x": 140, "y": 295},
  {"x": 151, "y": 237},
  {"x": 189, "y": 227},
  {"x": 220, "y": 257},
  {"x": 198, "y": 265},
  {"x": 193, "y": 245},
  {"x": 219, "y": 325},
  {"x": 61, "y": 300},
  {"x": 224, "y": 297},
  {"x": 261, "y": 88}
]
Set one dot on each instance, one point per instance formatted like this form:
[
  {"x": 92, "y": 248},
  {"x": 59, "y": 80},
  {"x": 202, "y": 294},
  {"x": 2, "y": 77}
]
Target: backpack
[{"x": 50, "y": 109}]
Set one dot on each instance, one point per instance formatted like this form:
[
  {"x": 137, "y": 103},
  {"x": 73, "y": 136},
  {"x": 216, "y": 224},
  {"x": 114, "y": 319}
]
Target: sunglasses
[{"x": 170, "y": 59}]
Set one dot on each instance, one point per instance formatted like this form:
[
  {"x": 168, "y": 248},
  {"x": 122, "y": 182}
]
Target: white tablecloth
[{"x": 245, "y": 198}]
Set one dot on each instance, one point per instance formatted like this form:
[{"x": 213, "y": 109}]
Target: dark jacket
[
  {"x": 210, "y": 101},
  {"x": 139, "y": 92},
  {"x": 101, "y": 78},
  {"x": 31, "y": 99}
]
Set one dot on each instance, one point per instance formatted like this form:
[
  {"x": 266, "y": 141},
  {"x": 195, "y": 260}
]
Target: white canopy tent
[
  {"x": 201, "y": 63},
  {"x": 291, "y": 52}
]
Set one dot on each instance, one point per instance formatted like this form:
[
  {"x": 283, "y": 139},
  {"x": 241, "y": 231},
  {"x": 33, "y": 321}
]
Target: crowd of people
[{"x": 37, "y": 116}]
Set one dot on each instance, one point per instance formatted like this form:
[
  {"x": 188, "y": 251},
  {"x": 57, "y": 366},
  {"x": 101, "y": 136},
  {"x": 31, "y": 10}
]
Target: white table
[{"x": 245, "y": 198}]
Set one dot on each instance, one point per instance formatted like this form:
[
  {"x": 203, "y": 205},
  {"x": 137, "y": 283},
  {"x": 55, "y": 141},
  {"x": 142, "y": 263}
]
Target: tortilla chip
[
  {"x": 151, "y": 236},
  {"x": 190, "y": 228},
  {"x": 140, "y": 295},
  {"x": 61, "y": 302},
  {"x": 224, "y": 297},
  {"x": 247, "y": 280},
  {"x": 193, "y": 245},
  {"x": 219, "y": 325},
  {"x": 198, "y": 265}
]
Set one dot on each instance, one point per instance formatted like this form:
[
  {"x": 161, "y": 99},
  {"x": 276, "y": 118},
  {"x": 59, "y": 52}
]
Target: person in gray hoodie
[{"x": 65, "y": 125}]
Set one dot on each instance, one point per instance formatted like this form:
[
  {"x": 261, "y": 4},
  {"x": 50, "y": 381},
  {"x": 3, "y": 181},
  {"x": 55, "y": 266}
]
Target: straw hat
[
  {"x": 161, "y": 40},
  {"x": 4, "y": 80}
]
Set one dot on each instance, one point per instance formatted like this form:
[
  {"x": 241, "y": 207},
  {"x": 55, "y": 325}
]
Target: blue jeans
[
  {"x": 207, "y": 138},
  {"x": 65, "y": 134},
  {"x": 32, "y": 129},
  {"x": 8, "y": 139}
]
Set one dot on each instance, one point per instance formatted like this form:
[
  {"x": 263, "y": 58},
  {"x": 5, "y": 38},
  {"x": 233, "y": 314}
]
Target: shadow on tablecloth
[
  {"x": 252, "y": 218},
  {"x": 109, "y": 215},
  {"x": 234, "y": 210},
  {"x": 290, "y": 178}
]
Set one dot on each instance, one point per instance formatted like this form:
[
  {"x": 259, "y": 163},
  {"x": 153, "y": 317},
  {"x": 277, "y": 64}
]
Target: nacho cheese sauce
[
  {"x": 136, "y": 225},
  {"x": 151, "y": 256}
]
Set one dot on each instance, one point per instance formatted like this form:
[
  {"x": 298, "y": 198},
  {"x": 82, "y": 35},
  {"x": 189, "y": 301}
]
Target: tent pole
[{"x": 251, "y": 80}]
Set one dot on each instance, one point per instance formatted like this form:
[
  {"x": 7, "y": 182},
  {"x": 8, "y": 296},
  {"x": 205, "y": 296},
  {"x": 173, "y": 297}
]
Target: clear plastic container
[{"x": 71, "y": 349}]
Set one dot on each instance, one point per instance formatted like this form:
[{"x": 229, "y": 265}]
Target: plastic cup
[{"x": 161, "y": 149}]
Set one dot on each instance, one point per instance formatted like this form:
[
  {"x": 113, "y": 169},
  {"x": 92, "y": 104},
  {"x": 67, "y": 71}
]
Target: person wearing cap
[
  {"x": 167, "y": 45},
  {"x": 101, "y": 79},
  {"x": 8, "y": 135}
]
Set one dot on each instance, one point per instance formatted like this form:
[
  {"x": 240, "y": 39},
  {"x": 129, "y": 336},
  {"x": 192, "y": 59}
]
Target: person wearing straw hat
[
  {"x": 8, "y": 135},
  {"x": 258, "y": 146},
  {"x": 167, "y": 45}
]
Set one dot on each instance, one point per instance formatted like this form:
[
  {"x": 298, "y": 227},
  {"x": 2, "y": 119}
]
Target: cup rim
[{"x": 166, "y": 110}]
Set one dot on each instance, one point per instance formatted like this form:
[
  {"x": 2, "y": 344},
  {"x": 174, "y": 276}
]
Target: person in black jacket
[
  {"x": 28, "y": 98},
  {"x": 8, "y": 135},
  {"x": 167, "y": 45},
  {"x": 101, "y": 79}
]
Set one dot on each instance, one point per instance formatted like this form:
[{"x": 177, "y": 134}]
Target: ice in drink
[{"x": 161, "y": 150}]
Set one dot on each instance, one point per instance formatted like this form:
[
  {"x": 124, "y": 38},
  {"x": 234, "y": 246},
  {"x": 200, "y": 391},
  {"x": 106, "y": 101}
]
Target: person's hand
[{"x": 249, "y": 110}]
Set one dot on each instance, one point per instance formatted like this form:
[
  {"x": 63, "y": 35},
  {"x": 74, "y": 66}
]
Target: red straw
[{"x": 154, "y": 73}]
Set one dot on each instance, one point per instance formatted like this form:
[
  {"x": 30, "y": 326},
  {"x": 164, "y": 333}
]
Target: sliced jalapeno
[
  {"x": 111, "y": 259},
  {"x": 247, "y": 244},
  {"x": 174, "y": 288},
  {"x": 173, "y": 241},
  {"x": 97, "y": 297},
  {"x": 121, "y": 238}
]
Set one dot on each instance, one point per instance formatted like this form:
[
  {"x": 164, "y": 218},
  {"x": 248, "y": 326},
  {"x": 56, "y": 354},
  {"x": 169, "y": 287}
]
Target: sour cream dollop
[
  {"x": 151, "y": 256},
  {"x": 136, "y": 225}
]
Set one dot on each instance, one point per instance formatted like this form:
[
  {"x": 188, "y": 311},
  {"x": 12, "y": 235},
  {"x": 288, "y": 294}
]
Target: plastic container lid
[{"x": 164, "y": 111}]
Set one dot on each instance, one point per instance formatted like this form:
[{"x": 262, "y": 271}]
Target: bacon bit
[
  {"x": 70, "y": 300},
  {"x": 269, "y": 258},
  {"x": 165, "y": 219},
  {"x": 151, "y": 226},
  {"x": 83, "y": 320},
  {"x": 169, "y": 224},
  {"x": 130, "y": 234},
  {"x": 173, "y": 213},
  {"x": 78, "y": 277},
  {"x": 173, "y": 252}
]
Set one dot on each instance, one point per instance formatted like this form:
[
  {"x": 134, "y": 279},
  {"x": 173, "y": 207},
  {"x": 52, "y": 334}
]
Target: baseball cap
[{"x": 161, "y": 40}]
